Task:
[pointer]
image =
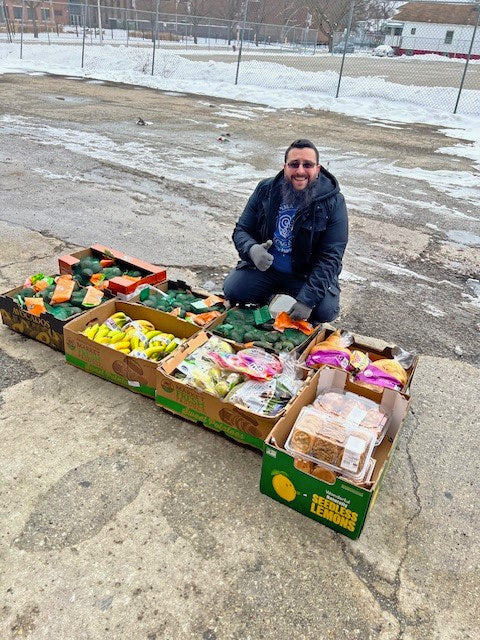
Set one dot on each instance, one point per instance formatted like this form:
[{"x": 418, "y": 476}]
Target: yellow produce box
[{"x": 110, "y": 360}]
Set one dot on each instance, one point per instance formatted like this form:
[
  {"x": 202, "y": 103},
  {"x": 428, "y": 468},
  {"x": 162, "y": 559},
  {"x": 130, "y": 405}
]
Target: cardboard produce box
[
  {"x": 374, "y": 348},
  {"x": 202, "y": 407},
  {"x": 134, "y": 373},
  {"x": 119, "y": 285},
  {"x": 45, "y": 328},
  {"x": 298, "y": 348},
  {"x": 339, "y": 504},
  {"x": 168, "y": 285}
]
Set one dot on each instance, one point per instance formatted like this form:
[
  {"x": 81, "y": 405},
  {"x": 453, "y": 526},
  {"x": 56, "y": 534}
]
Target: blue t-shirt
[{"x": 283, "y": 239}]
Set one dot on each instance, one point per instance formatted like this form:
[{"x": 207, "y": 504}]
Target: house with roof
[{"x": 433, "y": 27}]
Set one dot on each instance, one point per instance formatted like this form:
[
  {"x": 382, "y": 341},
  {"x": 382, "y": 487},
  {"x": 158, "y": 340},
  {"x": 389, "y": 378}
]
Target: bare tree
[
  {"x": 230, "y": 10},
  {"x": 329, "y": 16},
  {"x": 32, "y": 14},
  {"x": 196, "y": 9}
]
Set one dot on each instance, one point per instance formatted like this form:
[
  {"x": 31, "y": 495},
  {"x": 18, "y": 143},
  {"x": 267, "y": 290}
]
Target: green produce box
[
  {"x": 133, "y": 373},
  {"x": 206, "y": 409},
  {"x": 336, "y": 503},
  {"x": 170, "y": 285},
  {"x": 268, "y": 338},
  {"x": 45, "y": 328}
]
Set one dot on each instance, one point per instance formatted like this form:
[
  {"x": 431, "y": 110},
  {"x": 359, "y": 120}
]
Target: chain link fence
[{"x": 429, "y": 64}]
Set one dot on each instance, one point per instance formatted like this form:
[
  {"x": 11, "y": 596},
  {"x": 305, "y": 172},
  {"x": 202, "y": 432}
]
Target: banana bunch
[{"x": 137, "y": 338}]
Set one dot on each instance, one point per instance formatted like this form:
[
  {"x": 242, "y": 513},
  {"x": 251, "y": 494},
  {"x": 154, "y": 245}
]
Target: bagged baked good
[
  {"x": 332, "y": 351},
  {"x": 385, "y": 373}
]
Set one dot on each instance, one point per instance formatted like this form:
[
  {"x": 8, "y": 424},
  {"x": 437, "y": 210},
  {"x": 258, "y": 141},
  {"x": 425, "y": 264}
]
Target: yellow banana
[
  {"x": 118, "y": 346},
  {"x": 91, "y": 331},
  {"x": 117, "y": 337},
  {"x": 119, "y": 314},
  {"x": 162, "y": 338},
  {"x": 152, "y": 334},
  {"x": 146, "y": 324},
  {"x": 102, "y": 331},
  {"x": 102, "y": 339},
  {"x": 127, "y": 351},
  {"x": 171, "y": 346},
  {"x": 157, "y": 349}
]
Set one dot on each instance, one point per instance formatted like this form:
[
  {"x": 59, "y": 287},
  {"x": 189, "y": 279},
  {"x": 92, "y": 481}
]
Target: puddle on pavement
[{"x": 69, "y": 99}]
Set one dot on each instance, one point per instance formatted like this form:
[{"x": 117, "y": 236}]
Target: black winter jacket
[{"x": 320, "y": 233}]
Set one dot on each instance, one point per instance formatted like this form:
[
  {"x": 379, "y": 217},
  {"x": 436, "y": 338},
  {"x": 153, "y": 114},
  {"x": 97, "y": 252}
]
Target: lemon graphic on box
[{"x": 284, "y": 487}]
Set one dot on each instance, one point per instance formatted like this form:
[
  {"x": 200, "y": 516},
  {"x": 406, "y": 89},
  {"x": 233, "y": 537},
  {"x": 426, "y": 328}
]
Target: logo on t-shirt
[{"x": 283, "y": 239}]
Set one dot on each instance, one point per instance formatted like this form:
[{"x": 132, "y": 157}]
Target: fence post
[
  {"x": 347, "y": 36},
  {"x": 84, "y": 30},
  {"x": 154, "y": 34},
  {"x": 477, "y": 9},
  {"x": 100, "y": 28},
  {"x": 6, "y": 22},
  {"x": 21, "y": 33},
  {"x": 245, "y": 9}
]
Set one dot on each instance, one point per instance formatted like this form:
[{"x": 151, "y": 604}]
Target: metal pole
[
  {"x": 100, "y": 33},
  {"x": 155, "y": 37},
  {"x": 44, "y": 20},
  {"x": 84, "y": 30},
  {"x": 7, "y": 24},
  {"x": 21, "y": 33},
  {"x": 350, "y": 18},
  {"x": 245, "y": 9},
  {"x": 477, "y": 9}
]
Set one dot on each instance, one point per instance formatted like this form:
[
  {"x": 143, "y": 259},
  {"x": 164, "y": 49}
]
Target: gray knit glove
[
  {"x": 260, "y": 256},
  {"x": 300, "y": 311}
]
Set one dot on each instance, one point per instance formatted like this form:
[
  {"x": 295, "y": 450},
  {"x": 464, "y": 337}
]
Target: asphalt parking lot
[{"x": 122, "y": 521}]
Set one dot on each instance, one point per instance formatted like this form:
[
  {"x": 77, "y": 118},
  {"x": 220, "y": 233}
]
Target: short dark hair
[{"x": 303, "y": 143}]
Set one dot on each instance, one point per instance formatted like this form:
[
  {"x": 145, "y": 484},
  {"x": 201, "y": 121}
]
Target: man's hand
[
  {"x": 300, "y": 311},
  {"x": 260, "y": 256}
]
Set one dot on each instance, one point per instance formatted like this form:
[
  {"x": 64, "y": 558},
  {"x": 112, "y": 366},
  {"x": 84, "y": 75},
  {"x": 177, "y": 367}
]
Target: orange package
[
  {"x": 93, "y": 297},
  {"x": 213, "y": 299},
  {"x": 203, "y": 318},
  {"x": 63, "y": 290},
  {"x": 40, "y": 285},
  {"x": 283, "y": 321},
  {"x": 98, "y": 280},
  {"x": 35, "y": 306}
]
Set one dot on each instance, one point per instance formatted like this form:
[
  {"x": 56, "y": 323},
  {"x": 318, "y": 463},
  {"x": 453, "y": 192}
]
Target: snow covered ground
[{"x": 261, "y": 82}]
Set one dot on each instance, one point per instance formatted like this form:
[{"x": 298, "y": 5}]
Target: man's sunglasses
[{"x": 295, "y": 164}]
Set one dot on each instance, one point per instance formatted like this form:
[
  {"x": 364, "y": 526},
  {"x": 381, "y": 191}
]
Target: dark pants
[{"x": 249, "y": 285}]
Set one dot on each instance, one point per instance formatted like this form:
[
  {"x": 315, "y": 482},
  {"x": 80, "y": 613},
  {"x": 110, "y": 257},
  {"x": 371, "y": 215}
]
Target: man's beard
[{"x": 297, "y": 199}]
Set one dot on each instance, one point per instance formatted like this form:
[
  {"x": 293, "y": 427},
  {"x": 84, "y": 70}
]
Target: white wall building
[{"x": 432, "y": 27}]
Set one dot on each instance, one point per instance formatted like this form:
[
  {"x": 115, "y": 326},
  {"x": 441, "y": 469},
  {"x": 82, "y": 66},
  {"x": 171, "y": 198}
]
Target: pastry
[
  {"x": 303, "y": 465},
  {"x": 302, "y": 441},
  {"x": 324, "y": 474},
  {"x": 326, "y": 450}
]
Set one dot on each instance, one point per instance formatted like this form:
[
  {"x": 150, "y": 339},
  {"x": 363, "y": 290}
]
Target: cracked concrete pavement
[{"x": 122, "y": 521}]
